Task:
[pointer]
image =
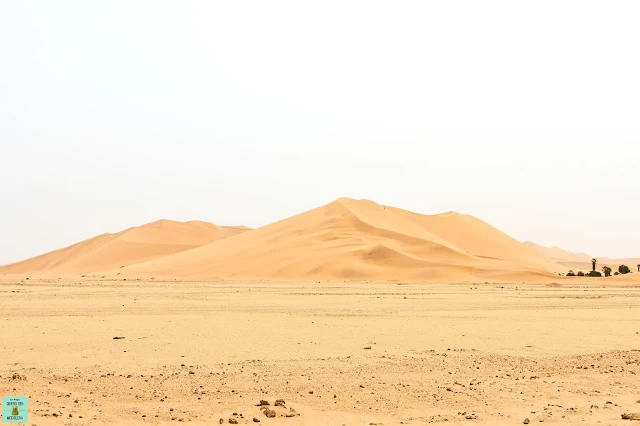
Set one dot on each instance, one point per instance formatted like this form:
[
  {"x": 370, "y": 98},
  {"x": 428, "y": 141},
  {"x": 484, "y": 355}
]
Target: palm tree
[
  {"x": 638, "y": 267},
  {"x": 593, "y": 264}
]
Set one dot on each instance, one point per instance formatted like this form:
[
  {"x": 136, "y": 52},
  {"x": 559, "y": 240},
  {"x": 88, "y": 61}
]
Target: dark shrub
[
  {"x": 616, "y": 273},
  {"x": 580, "y": 274},
  {"x": 624, "y": 269},
  {"x": 594, "y": 274},
  {"x": 607, "y": 271},
  {"x": 571, "y": 274}
]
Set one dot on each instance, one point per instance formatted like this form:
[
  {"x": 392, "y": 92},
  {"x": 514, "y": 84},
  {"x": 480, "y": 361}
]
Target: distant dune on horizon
[{"x": 582, "y": 261}]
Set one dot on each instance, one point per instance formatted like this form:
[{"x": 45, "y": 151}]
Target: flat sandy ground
[{"x": 336, "y": 353}]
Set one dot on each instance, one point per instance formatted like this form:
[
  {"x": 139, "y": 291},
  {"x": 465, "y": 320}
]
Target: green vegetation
[
  {"x": 622, "y": 269},
  {"x": 590, "y": 273}
]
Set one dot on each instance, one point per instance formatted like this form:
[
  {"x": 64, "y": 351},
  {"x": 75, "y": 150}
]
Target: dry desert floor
[{"x": 337, "y": 353}]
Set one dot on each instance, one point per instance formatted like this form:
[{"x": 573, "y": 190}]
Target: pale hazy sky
[{"x": 118, "y": 113}]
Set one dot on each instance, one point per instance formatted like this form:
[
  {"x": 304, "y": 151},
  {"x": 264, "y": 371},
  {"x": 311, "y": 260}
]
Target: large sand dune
[
  {"x": 130, "y": 246},
  {"x": 359, "y": 239}
]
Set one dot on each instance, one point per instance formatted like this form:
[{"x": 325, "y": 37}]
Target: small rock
[
  {"x": 526, "y": 421},
  {"x": 17, "y": 376},
  {"x": 118, "y": 337},
  {"x": 233, "y": 421},
  {"x": 256, "y": 420},
  {"x": 221, "y": 421},
  {"x": 269, "y": 413},
  {"x": 279, "y": 403},
  {"x": 263, "y": 402},
  {"x": 367, "y": 347}
]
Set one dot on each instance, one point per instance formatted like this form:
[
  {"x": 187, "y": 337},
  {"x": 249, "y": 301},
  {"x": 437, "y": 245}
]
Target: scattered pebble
[{"x": 631, "y": 416}]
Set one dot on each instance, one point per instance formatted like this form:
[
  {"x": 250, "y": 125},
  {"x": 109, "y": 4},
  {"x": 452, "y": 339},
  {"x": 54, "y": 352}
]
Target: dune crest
[
  {"x": 359, "y": 239},
  {"x": 133, "y": 245}
]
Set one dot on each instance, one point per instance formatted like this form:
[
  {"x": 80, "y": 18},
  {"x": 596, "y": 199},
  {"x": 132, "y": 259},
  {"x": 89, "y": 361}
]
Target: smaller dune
[
  {"x": 559, "y": 255},
  {"x": 133, "y": 245}
]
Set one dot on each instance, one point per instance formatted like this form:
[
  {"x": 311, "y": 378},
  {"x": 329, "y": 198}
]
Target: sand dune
[
  {"x": 130, "y": 246},
  {"x": 559, "y": 255},
  {"x": 359, "y": 239},
  {"x": 346, "y": 239}
]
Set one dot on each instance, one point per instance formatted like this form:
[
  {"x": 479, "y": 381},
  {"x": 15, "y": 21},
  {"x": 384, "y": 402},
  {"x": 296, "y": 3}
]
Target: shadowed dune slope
[
  {"x": 130, "y": 246},
  {"x": 359, "y": 239}
]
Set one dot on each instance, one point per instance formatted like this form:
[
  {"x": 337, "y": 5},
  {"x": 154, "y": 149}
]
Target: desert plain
[
  {"x": 352, "y": 353},
  {"x": 350, "y": 314}
]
